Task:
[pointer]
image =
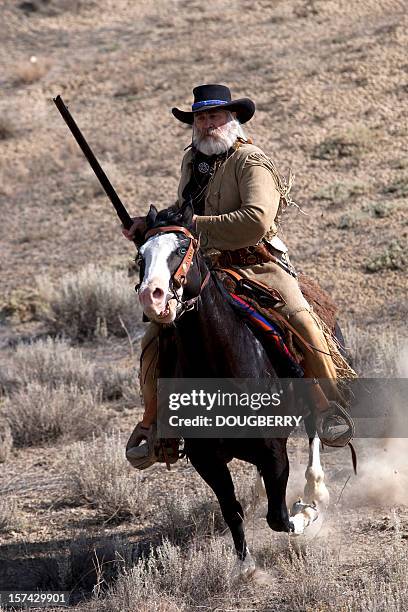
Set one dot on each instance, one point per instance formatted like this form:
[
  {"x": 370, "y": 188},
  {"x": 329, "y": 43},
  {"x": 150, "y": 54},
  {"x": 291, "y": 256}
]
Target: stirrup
[
  {"x": 141, "y": 447},
  {"x": 334, "y": 426}
]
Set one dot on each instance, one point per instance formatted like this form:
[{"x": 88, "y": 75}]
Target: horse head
[{"x": 171, "y": 272}]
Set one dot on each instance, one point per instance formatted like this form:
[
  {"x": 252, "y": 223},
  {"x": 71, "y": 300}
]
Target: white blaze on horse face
[{"x": 155, "y": 295}]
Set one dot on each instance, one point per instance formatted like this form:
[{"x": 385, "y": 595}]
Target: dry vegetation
[
  {"x": 94, "y": 302},
  {"x": 120, "y": 493},
  {"x": 330, "y": 83},
  {"x": 8, "y": 515},
  {"x": 38, "y": 415},
  {"x": 53, "y": 362},
  {"x": 29, "y": 72},
  {"x": 6, "y": 441}
]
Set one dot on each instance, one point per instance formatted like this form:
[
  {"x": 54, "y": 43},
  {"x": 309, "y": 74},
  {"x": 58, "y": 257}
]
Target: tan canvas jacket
[{"x": 241, "y": 201}]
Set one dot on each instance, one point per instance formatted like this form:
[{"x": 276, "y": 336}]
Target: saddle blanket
[{"x": 271, "y": 335}]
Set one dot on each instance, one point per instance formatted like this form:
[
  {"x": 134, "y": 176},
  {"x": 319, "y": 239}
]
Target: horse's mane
[{"x": 173, "y": 215}]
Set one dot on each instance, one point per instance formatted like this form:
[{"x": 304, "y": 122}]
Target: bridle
[{"x": 179, "y": 278}]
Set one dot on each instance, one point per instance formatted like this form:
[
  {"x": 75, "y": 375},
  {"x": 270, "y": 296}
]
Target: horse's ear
[
  {"x": 188, "y": 213},
  {"x": 151, "y": 216}
]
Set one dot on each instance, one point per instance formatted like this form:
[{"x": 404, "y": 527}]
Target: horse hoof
[
  {"x": 303, "y": 516},
  {"x": 243, "y": 569},
  {"x": 279, "y": 524}
]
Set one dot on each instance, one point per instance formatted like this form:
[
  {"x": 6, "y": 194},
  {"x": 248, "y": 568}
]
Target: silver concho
[{"x": 203, "y": 167}]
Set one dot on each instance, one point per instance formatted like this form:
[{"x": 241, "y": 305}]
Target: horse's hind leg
[
  {"x": 217, "y": 475},
  {"x": 274, "y": 469},
  {"x": 315, "y": 488}
]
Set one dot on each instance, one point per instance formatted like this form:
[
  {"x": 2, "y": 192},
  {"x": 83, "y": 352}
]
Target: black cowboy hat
[{"x": 216, "y": 96}]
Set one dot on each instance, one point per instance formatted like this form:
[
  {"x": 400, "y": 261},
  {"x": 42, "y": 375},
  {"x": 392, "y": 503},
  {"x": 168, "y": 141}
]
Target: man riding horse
[{"x": 237, "y": 197}]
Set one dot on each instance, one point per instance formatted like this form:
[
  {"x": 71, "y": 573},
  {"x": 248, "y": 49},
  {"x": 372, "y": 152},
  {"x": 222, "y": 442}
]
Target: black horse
[{"x": 211, "y": 340}]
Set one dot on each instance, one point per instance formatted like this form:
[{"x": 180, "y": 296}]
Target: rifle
[{"x": 95, "y": 165}]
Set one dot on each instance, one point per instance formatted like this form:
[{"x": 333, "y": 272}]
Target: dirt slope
[{"x": 330, "y": 82}]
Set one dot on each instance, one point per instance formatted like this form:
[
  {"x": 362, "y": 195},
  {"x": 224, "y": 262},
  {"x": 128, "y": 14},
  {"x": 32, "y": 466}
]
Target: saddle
[{"x": 262, "y": 300}]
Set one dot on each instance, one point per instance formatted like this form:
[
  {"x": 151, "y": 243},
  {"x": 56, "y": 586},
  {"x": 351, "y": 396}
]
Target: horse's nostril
[{"x": 158, "y": 293}]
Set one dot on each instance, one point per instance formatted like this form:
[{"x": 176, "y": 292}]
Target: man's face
[
  {"x": 214, "y": 132},
  {"x": 208, "y": 120}
]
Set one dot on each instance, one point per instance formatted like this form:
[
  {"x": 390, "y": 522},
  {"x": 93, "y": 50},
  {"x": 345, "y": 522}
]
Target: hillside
[{"x": 330, "y": 82}]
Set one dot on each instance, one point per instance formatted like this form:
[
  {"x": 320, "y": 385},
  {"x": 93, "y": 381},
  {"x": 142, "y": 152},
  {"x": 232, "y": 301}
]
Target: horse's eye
[{"x": 182, "y": 251}]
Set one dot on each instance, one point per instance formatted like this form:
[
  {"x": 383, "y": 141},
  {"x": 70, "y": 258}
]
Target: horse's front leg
[
  {"x": 274, "y": 469},
  {"x": 216, "y": 474},
  {"x": 306, "y": 513},
  {"x": 315, "y": 487}
]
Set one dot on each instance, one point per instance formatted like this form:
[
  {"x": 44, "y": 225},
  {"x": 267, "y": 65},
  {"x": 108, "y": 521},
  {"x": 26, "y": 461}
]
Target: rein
[{"x": 179, "y": 278}]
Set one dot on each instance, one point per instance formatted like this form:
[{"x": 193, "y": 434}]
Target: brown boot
[
  {"x": 141, "y": 447},
  {"x": 334, "y": 425}
]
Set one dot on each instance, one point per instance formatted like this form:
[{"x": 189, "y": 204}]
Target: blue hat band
[{"x": 198, "y": 105}]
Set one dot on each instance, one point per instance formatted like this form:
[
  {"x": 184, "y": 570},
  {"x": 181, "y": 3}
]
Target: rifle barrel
[{"x": 95, "y": 165}]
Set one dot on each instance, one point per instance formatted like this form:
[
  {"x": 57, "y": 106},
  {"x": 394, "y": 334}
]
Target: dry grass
[
  {"x": 51, "y": 363},
  {"x": 392, "y": 257},
  {"x": 31, "y": 71},
  {"x": 398, "y": 188},
  {"x": 6, "y": 440},
  {"x": 131, "y": 88},
  {"x": 317, "y": 585},
  {"x": 341, "y": 192},
  {"x": 350, "y": 143},
  {"x": 93, "y": 563},
  {"x": 7, "y": 128},
  {"x": 120, "y": 494},
  {"x": 375, "y": 356},
  {"x": 171, "y": 579},
  {"x": 312, "y": 577},
  {"x": 50, "y": 8},
  {"x": 7, "y": 382},
  {"x": 9, "y": 515},
  {"x": 118, "y": 384},
  {"x": 381, "y": 209},
  {"x": 184, "y": 517},
  {"x": 95, "y": 302},
  {"x": 54, "y": 362},
  {"x": 39, "y": 415},
  {"x": 385, "y": 586},
  {"x": 353, "y": 218},
  {"x": 349, "y": 220},
  {"x": 21, "y": 305}
]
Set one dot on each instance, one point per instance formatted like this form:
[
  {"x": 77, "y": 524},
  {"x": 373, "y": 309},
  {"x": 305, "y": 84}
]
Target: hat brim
[{"x": 244, "y": 107}]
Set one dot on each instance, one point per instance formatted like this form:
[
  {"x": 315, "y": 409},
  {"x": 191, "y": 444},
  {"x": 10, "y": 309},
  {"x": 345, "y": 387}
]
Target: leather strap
[
  {"x": 180, "y": 275},
  {"x": 254, "y": 255},
  {"x": 276, "y": 314}
]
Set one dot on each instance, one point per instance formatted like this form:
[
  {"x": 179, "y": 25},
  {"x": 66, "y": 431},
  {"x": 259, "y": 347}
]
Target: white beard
[{"x": 218, "y": 140}]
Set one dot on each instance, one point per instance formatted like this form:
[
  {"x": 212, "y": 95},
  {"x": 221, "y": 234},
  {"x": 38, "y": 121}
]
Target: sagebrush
[
  {"x": 38, "y": 415},
  {"x": 54, "y": 362},
  {"x": 94, "y": 302},
  {"x": 100, "y": 476}
]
